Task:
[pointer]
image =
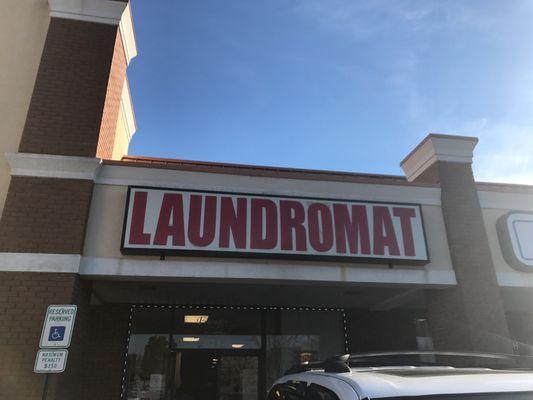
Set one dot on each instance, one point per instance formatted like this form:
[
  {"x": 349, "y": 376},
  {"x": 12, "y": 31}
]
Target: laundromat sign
[{"x": 182, "y": 222}]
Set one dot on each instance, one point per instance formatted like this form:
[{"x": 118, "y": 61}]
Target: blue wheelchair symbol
[{"x": 57, "y": 333}]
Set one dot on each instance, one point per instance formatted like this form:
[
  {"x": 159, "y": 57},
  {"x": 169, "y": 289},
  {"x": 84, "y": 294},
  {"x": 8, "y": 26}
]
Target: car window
[
  {"x": 292, "y": 390},
  {"x": 317, "y": 392}
]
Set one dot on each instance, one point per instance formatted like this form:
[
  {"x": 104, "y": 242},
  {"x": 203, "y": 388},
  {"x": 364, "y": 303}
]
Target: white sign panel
[
  {"x": 520, "y": 228},
  {"x": 169, "y": 221},
  {"x": 50, "y": 361},
  {"x": 58, "y": 325}
]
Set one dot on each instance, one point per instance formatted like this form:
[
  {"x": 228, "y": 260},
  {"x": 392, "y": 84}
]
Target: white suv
[{"x": 335, "y": 380}]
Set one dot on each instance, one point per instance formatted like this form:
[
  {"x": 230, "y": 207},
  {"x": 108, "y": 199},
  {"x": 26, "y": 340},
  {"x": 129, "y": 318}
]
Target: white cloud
[
  {"x": 504, "y": 153},
  {"x": 362, "y": 19},
  {"x": 345, "y": 17}
]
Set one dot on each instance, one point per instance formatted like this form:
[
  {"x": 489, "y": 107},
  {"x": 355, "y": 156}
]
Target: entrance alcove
[{"x": 212, "y": 340}]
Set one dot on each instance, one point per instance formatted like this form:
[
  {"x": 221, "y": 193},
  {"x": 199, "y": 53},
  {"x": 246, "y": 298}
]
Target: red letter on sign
[
  {"x": 257, "y": 239},
  {"x": 172, "y": 206},
  {"x": 234, "y": 222},
  {"x": 316, "y": 212},
  {"x": 195, "y": 216},
  {"x": 355, "y": 229},
  {"x": 137, "y": 234},
  {"x": 290, "y": 222},
  {"x": 405, "y": 215},
  {"x": 384, "y": 234}
]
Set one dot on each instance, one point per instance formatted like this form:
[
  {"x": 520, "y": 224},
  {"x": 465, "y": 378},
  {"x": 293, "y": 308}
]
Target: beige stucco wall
[
  {"x": 126, "y": 125},
  {"x": 105, "y": 225},
  {"x": 23, "y": 28},
  {"x": 495, "y": 205},
  {"x": 122, "y": 141},
  {"x": 106, "y": 217},
  {"x": 491, "y": 217}
]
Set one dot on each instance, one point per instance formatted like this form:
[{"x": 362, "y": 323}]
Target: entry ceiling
[{"x": 378, "y": 298}]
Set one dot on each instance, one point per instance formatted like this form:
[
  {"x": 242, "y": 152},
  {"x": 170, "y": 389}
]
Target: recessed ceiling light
[
  {"x": 196, "y": 319},
  {"x": 237, "y": 346}
]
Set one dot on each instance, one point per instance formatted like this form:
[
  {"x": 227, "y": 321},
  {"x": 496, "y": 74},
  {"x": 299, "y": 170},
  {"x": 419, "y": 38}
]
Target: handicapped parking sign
[
  {"x": 57, "y": 333},
  {"x": 58, "y": 325}
]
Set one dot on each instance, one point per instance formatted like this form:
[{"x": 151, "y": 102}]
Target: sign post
[{"x": 55, "y": 339}]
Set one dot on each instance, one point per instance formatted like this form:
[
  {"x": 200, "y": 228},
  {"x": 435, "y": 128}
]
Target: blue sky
[{"x": 349, "y": 85}]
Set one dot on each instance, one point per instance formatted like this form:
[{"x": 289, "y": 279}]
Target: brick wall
[
  {"x": 24, "y": 298},
  {"x": 73, "y": 111},
  {"x": 471, "y": 315},
  {"x": 67, "y": 104},
  {"x": 68, "y": 385},
  {"x": 448, "y": 320},
  {"x": 96, "y": 359},
  {"x": 45, "y": 215},
  {"x": 104, "y": 352},
  {"x": 108, "y": 127},
  {"x": 96, "y": 355}
]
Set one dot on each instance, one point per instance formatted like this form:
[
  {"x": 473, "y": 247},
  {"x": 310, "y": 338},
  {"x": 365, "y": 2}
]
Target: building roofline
[
  {"x": 261, "y": 170},
  {"x": 294, "y": 173},
  {"x": 504, "y": 187}
]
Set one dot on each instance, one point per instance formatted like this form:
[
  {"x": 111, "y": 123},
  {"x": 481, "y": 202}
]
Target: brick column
[
  {"x": 469, "y": 316},
  {"x": 66, "y": 111},
  {"x": 71, "y": 120}
]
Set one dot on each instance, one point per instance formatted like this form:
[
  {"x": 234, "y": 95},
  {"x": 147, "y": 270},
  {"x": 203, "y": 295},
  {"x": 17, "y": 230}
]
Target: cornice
[{"x": 53, "y": 166}]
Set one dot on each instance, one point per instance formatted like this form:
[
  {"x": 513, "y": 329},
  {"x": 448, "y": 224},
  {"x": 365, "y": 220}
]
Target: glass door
[
  {"x": 213, "y": 375},
  {"x": 216, "y": 355}
]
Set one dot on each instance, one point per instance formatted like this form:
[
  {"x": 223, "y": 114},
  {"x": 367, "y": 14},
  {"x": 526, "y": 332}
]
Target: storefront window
[
  {"x": 219, "y": 353},
  {"x": 148, "y": 354},
  {"x": 298, "y": 336}
]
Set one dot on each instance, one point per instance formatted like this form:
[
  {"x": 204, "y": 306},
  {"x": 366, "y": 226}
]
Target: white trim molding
[
  {"x": 53, "y": 166},
  {"x": 39, "y": 262},
  {"x": 103, "y": 12},
  {"x": 264, "y": 271},
  {"x": 127, "y": 34},
  {"x": 126, "y": 106},
  {"x": 437, "y": 147}
]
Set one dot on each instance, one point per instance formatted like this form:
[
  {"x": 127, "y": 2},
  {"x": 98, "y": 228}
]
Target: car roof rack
[
  {"x": 364, "y": 357},
  {"x": 342, "y": 363},
  {"x": 468, "y": 354},
  {"x": 433, "y": 358}
]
